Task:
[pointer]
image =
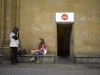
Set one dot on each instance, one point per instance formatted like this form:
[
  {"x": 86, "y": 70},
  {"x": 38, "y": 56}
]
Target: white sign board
[{"x": 67, "y": 17}]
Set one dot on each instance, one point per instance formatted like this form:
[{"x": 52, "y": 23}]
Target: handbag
[{"x": 21, "y": 52}]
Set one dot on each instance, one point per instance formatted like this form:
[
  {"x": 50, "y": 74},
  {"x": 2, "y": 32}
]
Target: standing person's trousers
[{"x": 14, "y": 54}]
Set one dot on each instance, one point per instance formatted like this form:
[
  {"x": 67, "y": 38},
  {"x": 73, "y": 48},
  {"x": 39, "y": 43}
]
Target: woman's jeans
[{"x": 36, "y": 55}]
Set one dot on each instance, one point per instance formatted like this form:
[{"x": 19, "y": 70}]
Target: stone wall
[{"x": 35, "y": 19}]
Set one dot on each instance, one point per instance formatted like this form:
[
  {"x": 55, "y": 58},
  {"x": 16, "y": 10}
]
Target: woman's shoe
[
  {"x": 31, "y": 59},
  {"x": 37, "y": 62}
]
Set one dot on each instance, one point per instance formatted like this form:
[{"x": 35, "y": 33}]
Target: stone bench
[
  {"x": 1, "y": 55},
  {"x": 48, "y": 58},
  {"x": 87, "y": 58},
  {"x": 93, "y": 58},
  {"x": 1, "y": 58},
  {"x": 81, "y": 58},
  {"x": 1, "y": 47}
]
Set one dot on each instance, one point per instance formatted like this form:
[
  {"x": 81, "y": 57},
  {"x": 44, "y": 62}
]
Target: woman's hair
[
  {"x": 41, "y": 43},
  {"x": 15, "y": 30}
]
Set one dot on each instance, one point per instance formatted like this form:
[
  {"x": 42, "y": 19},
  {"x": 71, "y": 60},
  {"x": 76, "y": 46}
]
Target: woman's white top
[
  {"x": 13, "y": 42},
  {"x": 44, "y": 49}
]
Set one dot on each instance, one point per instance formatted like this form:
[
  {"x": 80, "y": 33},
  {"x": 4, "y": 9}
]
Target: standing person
[
  {"x": 14, "y": 42},
  {"x": 42, "y": 51}
]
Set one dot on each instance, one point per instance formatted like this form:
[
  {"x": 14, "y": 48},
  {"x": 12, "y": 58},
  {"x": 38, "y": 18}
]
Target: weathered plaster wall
[
  {"x": 72, "y": 43},
  {"x": 9, "y": 18},
  {"x": 35, "y": 21},
  {"x": 87, "y": 27}
]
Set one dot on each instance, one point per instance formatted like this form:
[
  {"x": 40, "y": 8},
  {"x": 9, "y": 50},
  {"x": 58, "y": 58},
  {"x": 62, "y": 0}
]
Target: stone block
[
  {"x": 94, "y": 60},
  {"x": 6, "y": 54},
  {"x": 24, "y": 58},
  {"x": 81, "y": 60},
  {"x": 49, "y": 58},
  {"x": 1, "y": 58}
]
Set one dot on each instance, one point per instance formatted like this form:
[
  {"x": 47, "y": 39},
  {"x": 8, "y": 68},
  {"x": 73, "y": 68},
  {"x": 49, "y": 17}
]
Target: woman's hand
[
  {"x": 42, "y": 47},
  {"x": 17, "y": 34}
]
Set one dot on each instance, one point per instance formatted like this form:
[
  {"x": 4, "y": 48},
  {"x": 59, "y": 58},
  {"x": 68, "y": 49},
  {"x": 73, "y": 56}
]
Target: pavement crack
[{"x": 1, "y": 70}]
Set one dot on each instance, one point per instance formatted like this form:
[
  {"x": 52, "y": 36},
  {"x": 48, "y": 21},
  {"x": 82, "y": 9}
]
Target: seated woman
[{"x": 42, "y": 51}]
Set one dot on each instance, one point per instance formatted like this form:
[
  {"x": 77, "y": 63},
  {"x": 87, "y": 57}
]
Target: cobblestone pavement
[{"x": 49, "y": 69}]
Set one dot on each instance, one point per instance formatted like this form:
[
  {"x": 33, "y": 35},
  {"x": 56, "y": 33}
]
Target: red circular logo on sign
[{"x": 64, "y": 17}]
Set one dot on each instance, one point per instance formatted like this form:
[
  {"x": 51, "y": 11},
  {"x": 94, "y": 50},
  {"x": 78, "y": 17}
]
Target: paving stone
[{"x": 49, "y": 69}]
